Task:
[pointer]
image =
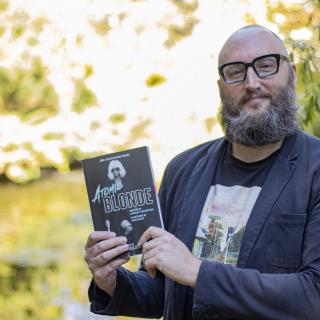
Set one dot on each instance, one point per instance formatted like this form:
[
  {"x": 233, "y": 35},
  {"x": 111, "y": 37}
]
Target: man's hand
[
  {"x": 101, "y": 250},
  {"x": 163, "y": 251}
]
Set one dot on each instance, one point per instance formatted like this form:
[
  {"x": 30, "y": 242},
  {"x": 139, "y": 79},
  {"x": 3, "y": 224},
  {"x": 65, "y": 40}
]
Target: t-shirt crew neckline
[{"x": 249, "y": 165}]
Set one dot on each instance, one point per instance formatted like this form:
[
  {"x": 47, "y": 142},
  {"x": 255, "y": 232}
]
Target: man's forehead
[{"x": 248, "y": 43}]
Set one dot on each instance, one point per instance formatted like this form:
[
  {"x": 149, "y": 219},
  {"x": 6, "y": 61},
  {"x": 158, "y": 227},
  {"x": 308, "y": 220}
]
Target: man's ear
[
  {"x": 294, "y": 67},
  {"x": 293, "y": 70}
]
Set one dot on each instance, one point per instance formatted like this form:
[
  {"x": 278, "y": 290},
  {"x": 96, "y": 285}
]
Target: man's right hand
[{"x": 102, "y": 248}]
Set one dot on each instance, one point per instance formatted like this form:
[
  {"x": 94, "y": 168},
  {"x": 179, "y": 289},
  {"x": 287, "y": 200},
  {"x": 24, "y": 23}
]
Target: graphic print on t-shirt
[{"x": 222, "y": 223}]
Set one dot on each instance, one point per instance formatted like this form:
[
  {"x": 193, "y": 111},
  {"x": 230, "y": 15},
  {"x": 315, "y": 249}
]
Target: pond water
[{"x": 43, "y": 229}]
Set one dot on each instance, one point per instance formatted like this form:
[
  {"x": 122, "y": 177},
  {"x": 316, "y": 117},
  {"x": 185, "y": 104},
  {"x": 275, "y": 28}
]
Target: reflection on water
[{"x": 43, "y": 229}]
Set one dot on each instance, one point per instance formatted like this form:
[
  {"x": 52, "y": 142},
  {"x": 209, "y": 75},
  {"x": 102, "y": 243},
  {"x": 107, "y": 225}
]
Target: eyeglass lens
[{"x": 264, "y": 67}]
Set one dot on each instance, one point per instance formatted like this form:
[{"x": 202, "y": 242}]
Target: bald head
[{"x": 253, "y": 38}]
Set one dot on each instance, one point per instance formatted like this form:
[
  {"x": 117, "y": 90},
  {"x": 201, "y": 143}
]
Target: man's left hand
[{"x": 163, "y": 251}]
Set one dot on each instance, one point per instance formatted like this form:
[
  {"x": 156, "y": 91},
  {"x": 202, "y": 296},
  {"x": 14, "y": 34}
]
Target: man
[{"x": 262, "y": 179}]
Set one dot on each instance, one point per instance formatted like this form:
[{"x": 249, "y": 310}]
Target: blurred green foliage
[
  {"x": 138, "y": 131},
  {"x": 102, "y": 26},
  {"x": 27, "y": 93},
  {"x": 154, "y": 80},
  {"x": 83, "y": 96},
  {"x": 38, "y": 24},
  {"x": 42, "y": 238},
  {"x": 17, "y": 31},
  {"x": 209, "y": 123},
  {"x": 186, "y": 7},
  {"x": 305, "y": 52},
  {"x": 4, "y": 5},
  {"x": 177, "y": 33},
  {"x": 118, "y": 118}
]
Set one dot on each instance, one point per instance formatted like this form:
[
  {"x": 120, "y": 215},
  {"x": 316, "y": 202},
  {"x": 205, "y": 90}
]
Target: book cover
[{"x": 122, "y": 194}]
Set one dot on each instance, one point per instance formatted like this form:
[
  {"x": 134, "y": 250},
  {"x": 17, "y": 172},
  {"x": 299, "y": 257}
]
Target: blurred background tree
[
  {"x": 299, "y": 24},
  {"x": 27, "y": 93},
  {"x": 30, "y": 104}
]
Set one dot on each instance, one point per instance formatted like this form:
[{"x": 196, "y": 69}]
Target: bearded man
[{"x": 261, "y": 186}]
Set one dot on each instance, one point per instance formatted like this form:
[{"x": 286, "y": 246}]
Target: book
[{"x": 122, "y": 194}]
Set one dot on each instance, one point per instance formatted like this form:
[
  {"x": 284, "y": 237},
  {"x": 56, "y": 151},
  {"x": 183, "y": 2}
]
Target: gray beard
[{"x": 278, "y": 121}]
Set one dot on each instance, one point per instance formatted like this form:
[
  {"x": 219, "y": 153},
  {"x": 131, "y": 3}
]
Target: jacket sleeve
[
  {"x": 227, "y": 292},
  {"x": 136, "y": 293}
]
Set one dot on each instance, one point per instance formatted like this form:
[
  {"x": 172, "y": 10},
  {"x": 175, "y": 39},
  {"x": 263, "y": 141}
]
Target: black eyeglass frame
[{"x": 277, "y": 56}]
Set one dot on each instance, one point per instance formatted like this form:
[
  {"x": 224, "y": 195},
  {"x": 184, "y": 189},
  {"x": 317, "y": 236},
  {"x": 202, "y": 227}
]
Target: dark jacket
[{"x": 278, "y": 270}]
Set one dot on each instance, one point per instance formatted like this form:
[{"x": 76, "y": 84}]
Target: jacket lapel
[
  {"x": 278, "y": 177},
  {"x": 193, "y": 201},
  {"x": 196, "y": 192}
]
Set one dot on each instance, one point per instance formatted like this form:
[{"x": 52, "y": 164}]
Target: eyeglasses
[
  {"x": 115, "y": 169},
  {"x": 264, "y": 67}
]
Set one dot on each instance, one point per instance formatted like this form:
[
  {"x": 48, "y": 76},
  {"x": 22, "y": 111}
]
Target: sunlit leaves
[
  {"x": 249, "y": 18},
  {"x": 22, "y": 171},
  {"x": 38, "y": 24},
  {"x": 4, "y": 5},
  {"x": 40, "y": 225},
  {"x": 122, "y": 16},
  {"x": 25, "y": 55},
  {"x": 31, "y": 257},
  {"x": 27, "y": 92},
  {"x": 102, "y": 26},
  {"x": 88, "y": 71},
  {"x": 83, "y": 96},
  {"x": 306, "y": 52},
  {"x": 185, "y": 6},
  {"x": 154, "y": 80},
  {"x": 19, "y": 21},
  {"x": 53, "y": 136},
  {"x": 17, "y": 31},
  {"x": 2, "y": 30},
  {"x": 314, "y": 126},
  {"x": 79, "y": 40},
  {"x": 296, "y": 16},
  {"x": 118, "y": 118},
  {"x": 209, "y": 123},
  {"x": 177, "y": 33},
  {"x": 137, "y": 132},
  {"x": 32, "y": 41},
  {"x": 10, "y": 147},
  {"x": 95, "y": 125},
  {"x": 308, "y": 87}
]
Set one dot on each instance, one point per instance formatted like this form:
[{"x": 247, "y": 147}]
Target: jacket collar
[{"x": 277, "y": 178}]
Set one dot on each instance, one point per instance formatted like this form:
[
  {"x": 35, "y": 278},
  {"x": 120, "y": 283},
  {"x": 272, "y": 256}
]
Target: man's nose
[{"x": 252, "y": 80}]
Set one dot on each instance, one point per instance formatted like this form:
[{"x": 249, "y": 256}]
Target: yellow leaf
[
  {"x": 249, "y": 19},
  {"x": 155, "y": 80}
]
